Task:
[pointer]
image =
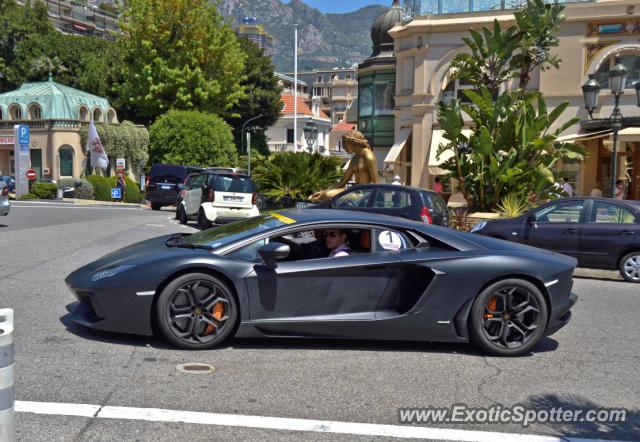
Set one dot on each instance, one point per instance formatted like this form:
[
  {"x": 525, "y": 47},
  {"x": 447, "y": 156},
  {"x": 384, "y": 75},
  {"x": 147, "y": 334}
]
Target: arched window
[
  {"x": 111, "y": 116},
  {"x": 366, "y": 103},
  {"x": 455, "y": 89},
  {"x": 385, "y": 100},
  {"x": 66, "y": 161},
  {"x": 97, "y": 115},
  {"x": 35, "y": 112},
  {"x": 319, "y": 80},
  {"x": 83, "y": 113},
  {"x": 631, "y": 60},
  {"x": 15, "y": 112}
]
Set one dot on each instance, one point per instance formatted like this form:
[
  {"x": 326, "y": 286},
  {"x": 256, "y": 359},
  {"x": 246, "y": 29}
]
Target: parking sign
[
  {"x": 115, "y": 193},
  {"x": 23, "y": 134}
]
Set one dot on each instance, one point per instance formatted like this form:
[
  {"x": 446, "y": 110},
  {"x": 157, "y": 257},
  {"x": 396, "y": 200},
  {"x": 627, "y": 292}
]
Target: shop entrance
[{"x": 628, "y": 169}]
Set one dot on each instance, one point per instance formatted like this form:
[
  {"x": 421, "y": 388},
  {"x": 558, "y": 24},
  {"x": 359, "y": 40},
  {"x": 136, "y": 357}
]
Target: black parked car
[
  {"x": 601, "y": 233},
  {"x": 164, "y": 183},
  {"x": 388, "y": 199}
]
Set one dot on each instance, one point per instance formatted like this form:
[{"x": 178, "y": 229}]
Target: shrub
[
  {"x": 83, "y": 189},
  {"x": 512, "y": 205},
  {"x": 101, "y": 187},
  {"x": 28, "y": 196},
  {"x": 45, "y": 191}
]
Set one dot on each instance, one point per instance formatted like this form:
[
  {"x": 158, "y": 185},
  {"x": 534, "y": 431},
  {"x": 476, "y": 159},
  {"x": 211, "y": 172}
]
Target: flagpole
[{"x": 295, "y": 88}]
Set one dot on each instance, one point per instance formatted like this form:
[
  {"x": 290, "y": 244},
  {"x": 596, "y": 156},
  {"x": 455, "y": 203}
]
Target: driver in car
[{"x": 336, "y": 241}]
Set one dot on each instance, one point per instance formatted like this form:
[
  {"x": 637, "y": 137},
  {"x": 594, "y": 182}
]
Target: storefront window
[{"x": 631, "y": 62}]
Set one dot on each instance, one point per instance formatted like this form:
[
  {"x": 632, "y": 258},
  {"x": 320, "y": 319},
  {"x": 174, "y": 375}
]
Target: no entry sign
[{"x": 31, "y": 174}]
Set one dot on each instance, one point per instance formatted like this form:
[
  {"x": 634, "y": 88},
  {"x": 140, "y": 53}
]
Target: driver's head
[{"x": 334, "y": 238}]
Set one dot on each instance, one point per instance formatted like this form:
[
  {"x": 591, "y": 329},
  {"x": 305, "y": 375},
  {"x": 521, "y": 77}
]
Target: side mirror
[
  {"x": 273, "y": 252},
  {"x": 180, "y": 186}
]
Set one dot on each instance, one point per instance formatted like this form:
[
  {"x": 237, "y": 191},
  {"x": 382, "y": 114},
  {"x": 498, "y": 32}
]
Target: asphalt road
[{"x": 592, "y": 363}]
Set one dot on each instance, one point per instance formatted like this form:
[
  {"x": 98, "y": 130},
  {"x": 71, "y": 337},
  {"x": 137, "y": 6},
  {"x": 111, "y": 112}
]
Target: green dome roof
[{"x": 56, "y": 100}]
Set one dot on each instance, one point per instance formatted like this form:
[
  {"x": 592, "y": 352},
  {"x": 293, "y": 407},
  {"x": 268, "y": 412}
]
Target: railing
[
  {"x": 439, "y": 7},
  {"x": 41, "y": 124},
  {"x": 281, "y": 147}
]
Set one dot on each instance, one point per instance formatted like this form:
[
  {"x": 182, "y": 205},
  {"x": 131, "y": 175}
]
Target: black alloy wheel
[
  {"x": 509, "y": 317},
  {"x": 196, "y": 311},
  {"x": 630, "y": 267},
  {"x": 156, "y": 206},
  {"x": 203, "y": 221},
  {"x": 182, "y": 215}
]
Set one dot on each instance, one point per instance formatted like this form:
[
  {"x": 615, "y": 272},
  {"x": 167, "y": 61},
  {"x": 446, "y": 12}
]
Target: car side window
[
  {"x": 568, "y": 212},
  {"x": 249, "y": 252},
  {"x": 353, "y": 199},
  {"x": 197, "y": 181},
  {"x": 607, "y": 213},
  {"x": 392, "y": 199}
]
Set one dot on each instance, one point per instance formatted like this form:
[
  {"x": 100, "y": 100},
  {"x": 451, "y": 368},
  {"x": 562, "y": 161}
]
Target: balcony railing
[
  {"x": 439, "y": 7},
  {"x": 41, "y": 124}
]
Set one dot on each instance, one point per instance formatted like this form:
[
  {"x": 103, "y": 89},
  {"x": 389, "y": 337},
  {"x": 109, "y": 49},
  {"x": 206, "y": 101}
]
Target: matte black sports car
[{"x": 270, "y": 276}]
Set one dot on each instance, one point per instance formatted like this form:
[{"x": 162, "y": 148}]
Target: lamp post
[
  {"x": 590, "y": 90},
  {"x": 310, "y": 134},
  {"x": 248, "y": 141}
]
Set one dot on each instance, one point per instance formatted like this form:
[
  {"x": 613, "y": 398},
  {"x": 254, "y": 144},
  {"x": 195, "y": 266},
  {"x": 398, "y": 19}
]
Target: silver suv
[{"x": 5, "y": 205}]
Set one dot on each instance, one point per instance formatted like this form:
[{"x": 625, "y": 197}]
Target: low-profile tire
[
  {"x": 196, "y": 311},
  {"x": 508, "y": 318},
  {"x": 630, "y": 267},
  {"x": 156, "y": 206},
  {"x": 203, "y": 221},
  {"x": 182, "y": 215}
]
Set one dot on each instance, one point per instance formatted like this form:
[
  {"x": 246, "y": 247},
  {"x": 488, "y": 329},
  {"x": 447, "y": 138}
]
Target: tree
[
  {"x": 191, "y": 137},
  {"x": 124, "y": 140},
  {"x": 179, "y": 54},
  {"x": 513, "y": 148},
  {"x": 48, "y": 65},
  {"x": 262, "y": 96},
  {"x": 295, "y": 175}
]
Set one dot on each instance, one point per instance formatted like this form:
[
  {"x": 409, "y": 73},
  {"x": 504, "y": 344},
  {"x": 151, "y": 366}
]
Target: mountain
[{"x": 324, "y": 40}]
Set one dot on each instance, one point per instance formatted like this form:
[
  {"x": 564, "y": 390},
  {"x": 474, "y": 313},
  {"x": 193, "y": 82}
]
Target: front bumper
[{"x": 561, "y": 315}]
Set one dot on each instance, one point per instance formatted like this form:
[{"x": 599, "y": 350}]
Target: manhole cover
[{"x": 196, "y": 368}]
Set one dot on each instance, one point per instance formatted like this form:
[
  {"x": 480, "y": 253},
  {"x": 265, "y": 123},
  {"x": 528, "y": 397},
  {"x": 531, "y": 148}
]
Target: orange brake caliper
[
  {"x": 217, "y": 313},
  {"x": 492, "y": 305}
]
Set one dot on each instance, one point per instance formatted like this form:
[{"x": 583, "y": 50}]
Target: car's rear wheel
[
  {"x": 196, "y": 311},
  {"x": 156, "y": 206},
  {"x": 203, "y": 221},
  {"x": 509, "y": 317},
  {"x": 630, "y": 267},
  {"x": 182, "y": 215}
]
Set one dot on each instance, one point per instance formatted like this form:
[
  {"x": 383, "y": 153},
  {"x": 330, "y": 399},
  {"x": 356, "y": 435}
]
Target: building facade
[
  {"x": 593, "y": 33},
  {"x": 54, "y": 114},
  {"x": 77, "y": 19},
  {"x": 337, "y": 90},
  {"x": 251, "y": 30},
  {"x": 281, "y": 136}
]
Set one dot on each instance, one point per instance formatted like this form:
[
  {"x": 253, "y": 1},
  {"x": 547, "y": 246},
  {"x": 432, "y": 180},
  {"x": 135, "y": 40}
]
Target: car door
[
  {"x": 392, "y": 201},
  {"x": 308, "y": 297},
  {"x": 556, "y": 227},
  {"x": 193, "y": 198},
  {"x": 611, "y": 229}
]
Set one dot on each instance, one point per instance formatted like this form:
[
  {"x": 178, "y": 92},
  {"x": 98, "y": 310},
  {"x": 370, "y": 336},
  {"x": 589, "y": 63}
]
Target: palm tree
[{"x": 48, "y": 65}]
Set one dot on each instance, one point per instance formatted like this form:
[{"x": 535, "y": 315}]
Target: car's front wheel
[
  {"x": 630, "y": 267},
  {"x": 509, "y": 317},
  {"x": 196, "y": 311},
  {"x": 182, "y": 215}
]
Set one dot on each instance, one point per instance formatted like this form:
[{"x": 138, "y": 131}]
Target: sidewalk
[{"x": 82, "y": 202}]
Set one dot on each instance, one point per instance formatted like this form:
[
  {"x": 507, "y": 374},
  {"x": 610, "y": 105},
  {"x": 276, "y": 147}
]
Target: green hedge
[
  {"x": 44, "y": 191},
  {"x": 83, "y": 188},
  {"x": 102, "y": 188},
  {"x": 28, "y": 196}
]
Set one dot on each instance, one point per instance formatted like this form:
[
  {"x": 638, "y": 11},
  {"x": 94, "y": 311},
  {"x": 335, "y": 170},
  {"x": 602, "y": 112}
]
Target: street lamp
[
  {"x": 617, "y": 81},
  {"x": 248, "y": 142},
  {"x": 310, "y": 134}
]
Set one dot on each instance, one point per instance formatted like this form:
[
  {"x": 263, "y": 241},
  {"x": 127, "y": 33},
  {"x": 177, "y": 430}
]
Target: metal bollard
[{"x": 7, "y": 392}]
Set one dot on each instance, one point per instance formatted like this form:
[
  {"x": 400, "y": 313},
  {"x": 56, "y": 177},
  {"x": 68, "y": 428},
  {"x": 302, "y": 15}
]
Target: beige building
[{"x": 592, "y": 34}]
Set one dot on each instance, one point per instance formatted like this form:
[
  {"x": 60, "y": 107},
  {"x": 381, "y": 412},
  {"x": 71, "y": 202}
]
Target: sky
[{"x": 339, "y": 6}]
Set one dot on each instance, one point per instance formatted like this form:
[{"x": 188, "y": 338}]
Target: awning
[
  {"x": 396, "y": 149},
  {"x": 437, "y": 138},
  {"x": 583, "y": 136},
  {"x": 629, "y": 134}
]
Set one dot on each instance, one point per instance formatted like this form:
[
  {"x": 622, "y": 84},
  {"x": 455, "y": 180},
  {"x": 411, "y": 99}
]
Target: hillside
[{"x": 325, "y": 40}]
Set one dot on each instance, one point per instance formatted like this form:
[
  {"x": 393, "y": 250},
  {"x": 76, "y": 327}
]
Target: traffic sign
[
  {"x": 120, "y": 163},
  {"x": 31, "y": 175},
  {"x": 23, "y": 134},
  {"x": 115, "y": 193}
]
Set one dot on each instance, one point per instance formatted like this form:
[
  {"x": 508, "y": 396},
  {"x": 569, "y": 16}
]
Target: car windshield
[{"x": 228, "y": 233}]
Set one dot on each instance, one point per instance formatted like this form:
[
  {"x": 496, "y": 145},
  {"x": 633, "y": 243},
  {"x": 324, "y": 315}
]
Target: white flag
[{"x": 94, "y": 145}]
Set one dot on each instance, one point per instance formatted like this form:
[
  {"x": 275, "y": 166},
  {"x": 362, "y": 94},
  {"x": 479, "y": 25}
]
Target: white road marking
[
  {"x": 71, "y": 206},
  {"x": 155, "y": 225},
  {"x": 278, "y": 423}
]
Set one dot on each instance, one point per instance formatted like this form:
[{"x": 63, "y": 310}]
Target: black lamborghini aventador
[{"x": 271, "y": 276}]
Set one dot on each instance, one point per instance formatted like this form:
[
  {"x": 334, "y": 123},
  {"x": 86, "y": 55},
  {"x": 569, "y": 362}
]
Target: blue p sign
[
  {"x": 23, "y": 135},
  {"x": 115, "y": 193}
]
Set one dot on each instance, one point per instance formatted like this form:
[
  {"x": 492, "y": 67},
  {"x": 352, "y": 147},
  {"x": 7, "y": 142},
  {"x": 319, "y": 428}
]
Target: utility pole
[{"x": 295, "y": 87}]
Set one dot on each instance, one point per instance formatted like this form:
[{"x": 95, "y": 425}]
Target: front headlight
[
  {"x": 478, "y": 226},
  {"x": 109, "y": 272}
]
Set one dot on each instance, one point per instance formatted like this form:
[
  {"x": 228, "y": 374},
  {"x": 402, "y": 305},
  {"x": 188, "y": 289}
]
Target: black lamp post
[
  {"x": 617, "y": 81},
  {"x": 310, "y": 134}
]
